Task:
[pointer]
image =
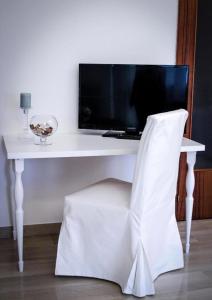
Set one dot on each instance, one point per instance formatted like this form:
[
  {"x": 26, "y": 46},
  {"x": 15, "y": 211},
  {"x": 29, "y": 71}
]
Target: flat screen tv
[{"x": 120, "y": 97}]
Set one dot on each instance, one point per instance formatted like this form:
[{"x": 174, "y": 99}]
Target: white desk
[{"x": 79, "y": 145}]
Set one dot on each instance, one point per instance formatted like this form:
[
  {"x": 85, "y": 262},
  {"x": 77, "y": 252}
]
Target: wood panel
[
  {"x": 186, "y": 43},
  {"x": 203, "y": 194},
  {"x": 181, "y": 191}
]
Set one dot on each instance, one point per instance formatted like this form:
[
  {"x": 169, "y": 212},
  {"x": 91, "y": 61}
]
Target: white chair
[{"x": 127, "y": 233}]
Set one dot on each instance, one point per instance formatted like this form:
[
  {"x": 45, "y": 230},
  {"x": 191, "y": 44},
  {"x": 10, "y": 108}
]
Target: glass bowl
[{"x": 43, "y": 126}]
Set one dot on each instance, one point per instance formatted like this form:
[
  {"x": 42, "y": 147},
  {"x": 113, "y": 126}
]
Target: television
[{"x": 119, "y": 97}]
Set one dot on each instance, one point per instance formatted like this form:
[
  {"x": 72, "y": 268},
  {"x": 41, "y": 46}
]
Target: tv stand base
[{"x": 123, "y": 135}]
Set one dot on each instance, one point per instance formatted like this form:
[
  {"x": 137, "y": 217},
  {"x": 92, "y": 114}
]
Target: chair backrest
[
  {"x": 156, "y": 169},
  {"x": 154, "y": 189}
]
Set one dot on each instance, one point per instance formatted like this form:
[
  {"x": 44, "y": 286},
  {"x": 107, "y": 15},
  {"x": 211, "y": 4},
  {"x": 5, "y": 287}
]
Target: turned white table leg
[
  {"x": 190, "y": 182},
  {"x": 19, "y": 195},
  {"x": 11, "y": 172}
]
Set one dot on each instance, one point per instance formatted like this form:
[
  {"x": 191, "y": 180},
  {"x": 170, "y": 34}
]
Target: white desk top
[{"x": 77, "y": 145}]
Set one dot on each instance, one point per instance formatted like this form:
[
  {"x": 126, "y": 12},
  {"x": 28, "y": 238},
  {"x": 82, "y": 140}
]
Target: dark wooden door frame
[
  {"x": 186, "y": 45},
  {"x": 185, "y": 54}
]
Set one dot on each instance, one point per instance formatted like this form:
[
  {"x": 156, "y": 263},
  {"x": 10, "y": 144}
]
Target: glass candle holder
[{"x": 43, "y": 126}]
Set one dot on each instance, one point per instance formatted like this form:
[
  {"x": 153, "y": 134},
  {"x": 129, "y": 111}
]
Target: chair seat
[{"x": 107, "y": 194}]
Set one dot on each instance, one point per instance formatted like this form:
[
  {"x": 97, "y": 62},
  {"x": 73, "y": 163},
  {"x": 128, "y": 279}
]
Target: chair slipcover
[{"x": 127, "y": 233}]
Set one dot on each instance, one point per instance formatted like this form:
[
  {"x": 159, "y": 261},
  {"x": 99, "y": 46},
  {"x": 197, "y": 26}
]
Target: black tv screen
[{"x": 119, "y": 97}]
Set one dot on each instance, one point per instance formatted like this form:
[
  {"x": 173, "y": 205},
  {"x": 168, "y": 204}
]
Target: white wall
[{"x": 42, "y": 43}]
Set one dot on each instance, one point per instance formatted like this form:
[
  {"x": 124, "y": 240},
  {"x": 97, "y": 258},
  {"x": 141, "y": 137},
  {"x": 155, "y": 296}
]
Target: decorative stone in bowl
[{"x": 43, "y": 126}]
